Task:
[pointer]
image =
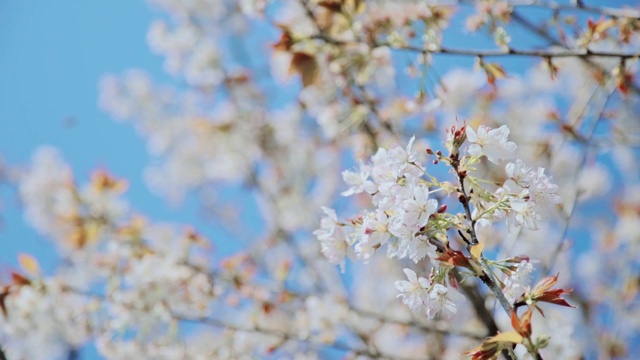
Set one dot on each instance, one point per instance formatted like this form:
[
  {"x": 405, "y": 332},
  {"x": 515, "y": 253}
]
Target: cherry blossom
[
  {"x": 359, "y": 181},
  {"x": 414, "y": 291},
  {"x": 518, "y": 282},
  {"x": 440, "y": 301},
  {"x": 492, "y": 143}
]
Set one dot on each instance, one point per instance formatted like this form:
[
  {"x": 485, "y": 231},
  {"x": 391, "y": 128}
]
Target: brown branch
[
  {"x": 478, "y": 303},
  {"x": 443, "y": 50},
  {"x": 486, "y": 274},
  {"x": 426, "y": 327},
  {"x": 429, "y": 328},
  {"x": 555, "y": 254},
  {"x": 580, "y": 6},
  {"x": 552, "y": 40},
  {"x": 285, "y": 336},
  {"x": 372, "y": 133}
]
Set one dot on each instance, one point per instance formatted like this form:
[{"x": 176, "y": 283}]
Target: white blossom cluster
[
  {"x": 195, "y": 147},
  {"x": 189, "y": 40},
  {"x": 47, "y": 194},
  {"x": 409, "y": 222},
  {"x": 403, "y": 207},
  {"x": 529, "y": 194},
  {"x": 43, "y": 321},
  {"x": 536, "y": 194},
  {"x": 516, "y": 284},
  {"x": 418, "y": 294},
  {"x": 122, "y": 275}
]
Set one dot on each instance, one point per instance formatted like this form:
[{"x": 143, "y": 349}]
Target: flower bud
[{"x": 542, "y": 342}]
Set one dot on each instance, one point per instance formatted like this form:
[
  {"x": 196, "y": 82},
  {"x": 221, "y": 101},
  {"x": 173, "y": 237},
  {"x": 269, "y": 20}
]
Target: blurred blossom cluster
[{"x": 489, "y": 210}]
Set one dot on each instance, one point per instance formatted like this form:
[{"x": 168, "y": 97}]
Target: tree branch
[
  {"x": 552, "y": 40},
  {"x": 486, "y": 275},
  {"x": 429, "y": 328},
  {"x": 580, "y": 6},
  {"x": 583, "y": 159},
  {"x": 443, "y": 50},
  {"x": 285, "y": 336}
]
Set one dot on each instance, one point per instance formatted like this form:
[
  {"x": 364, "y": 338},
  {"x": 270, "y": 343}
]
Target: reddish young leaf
[
  {"x": 545, "y": 284},
  {"x": 285, "y": 42},
  {"x": 483, "y": 354},
  {"x": 494, "y": 72},
  {"x": 492, "y": 346},
  {"x": 305, "y": 65},
  {"x": 522, "y": 325},
  {"x": 454, "y": 258},
  {"x": 553, "y": 296},
  {"x": 518, "y": 259},
  {"x": 623, "y": 81},
  {"x": 542, "y": 292},
  {"x": 19, "y": 279},
  {"x": 3, "y": 296}
]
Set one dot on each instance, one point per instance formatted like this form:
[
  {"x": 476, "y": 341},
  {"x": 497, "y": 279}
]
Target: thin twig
[
  {"x": 552, "y": 40},
  {"x": 554, "y": 254},
  {"x": 288, "y": 337},
  {"x": 430, "y": 328},
  {"x": 443, "y": 50},
  {"x": 580, "y": 6}
]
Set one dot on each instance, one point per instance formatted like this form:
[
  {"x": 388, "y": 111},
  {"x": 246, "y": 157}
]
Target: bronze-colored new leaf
[
  {"x": 494, "y": 72},
  {"x": 286, "y": 40},
  {"x": 492, "y": 346},
  {"x": 3, "y": 297},
  {"x": 542, "y": 292},
  {"x": 350, "y": 6},
  {"x": 305, "y": 65},
  {"x": 454, "y": 258},
  {"x": 522, "y": 325},
  {"x": 19, "y": 279}
]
